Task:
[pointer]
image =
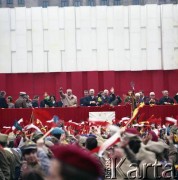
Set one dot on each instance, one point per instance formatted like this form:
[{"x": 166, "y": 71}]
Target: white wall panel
[
  {"x": 28, "y": 18},
  {"x": 69, "y": 63},
  {"x": 93, "y": 39},
  {"x": 143, "y": 38},
  {"x": 175, "y": 15},
  {"x": 45, "y": 18},
  {"x": 143, "y": 16},
  {"x": 54, "y": 56},
  {"x": 135, "y": 38},
  {"x": 126, "y": 16},
  {"x": 61, "y": 39},
  {"x": 83, "y": 40},
  {"x": 15, "y": 65},
  {"x": 5, "y": 46},
  {"x": 30, "y": 61},
  {"x": 78, "y": 15},
  {"x": 29, "y": 40},
  {"x": 61, "y": 18},
  {"x": 21, "y": 41},
  {"x": 45, "y": 56},
  {"x": 102, "y": 40},
  {"x": 54, "y": 61},
  {"x": 168, "y": 35},
  {"x": 46, "y": 40},
  {"x": 175, "y": 32},
  {"x": 110, "y": 39},
  {"x": 111, "y": 60},
  {"x": 12, "y": 19},
  {"x": 110, "y": 17},
  {"x": 143, "y": 57},
  {"x": 89, "y": 38},
  {"x": 13, "y": 41},
  {"x": 37, "y": 39},
  {"x": 93, "y": 17}
]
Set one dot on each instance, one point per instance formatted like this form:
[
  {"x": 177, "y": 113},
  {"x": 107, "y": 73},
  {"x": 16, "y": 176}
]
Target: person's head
[
  {"x": 22, "y": 94},
  {"x": 152, "y": 136},
  {"x": 57, "y": 132},
  {"x": 29, "y": 152},
  {"x": 152, "y": 95},
  {"x": 91, "y": 92},
  {"x": 9, "y": 99},
  {"x": 2, "y": 94},
  {"x": 72, "y": 162},
  {"x": 36, "y": 97},
  {"x": 137, "y": 96},
  {"x": 105, "y": 92},
  {"x": 130, "y": 92},
  {"x": 165, "y": 93},
  {"x": 141, "y": 93},
  {"x": 52, "y": 98},
  {"x": 69, "y": 92},
  {"x": 85, "y": 93},
  {"x": 91, "y": 143},
  {"x": 36, "y": 135}
]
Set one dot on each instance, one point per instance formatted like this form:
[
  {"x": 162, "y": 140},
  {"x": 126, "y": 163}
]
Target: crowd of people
[
  {"x": 131, "y": 150},
  {"x": 60, "y": 155},
  {"x": 68, "y": 99}
]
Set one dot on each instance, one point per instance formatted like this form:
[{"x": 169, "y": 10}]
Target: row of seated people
[{"x": 68, "y": 99}]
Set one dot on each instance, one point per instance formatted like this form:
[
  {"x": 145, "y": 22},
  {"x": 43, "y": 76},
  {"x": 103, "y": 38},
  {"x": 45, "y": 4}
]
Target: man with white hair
[
  {"x": 137, "y": 100},
  {"x": 105, "y": 97},
  {"x": 68, "y": 99},
  {"x": 152, "y": 99},
  {"x": 166, "y": 100},
  {"x": 91, "y": 100}
]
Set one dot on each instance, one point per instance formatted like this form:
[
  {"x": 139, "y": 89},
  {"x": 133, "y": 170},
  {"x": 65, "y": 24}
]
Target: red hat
[
  {"x": 78, "y": 158},
  {"x": 154, "y": 136},
  {"x": 132, "y": 131}
]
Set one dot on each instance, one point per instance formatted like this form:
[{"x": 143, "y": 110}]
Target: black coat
[
  {"x": 89, "y": 100},
  {"x": 3, "y": 103}
]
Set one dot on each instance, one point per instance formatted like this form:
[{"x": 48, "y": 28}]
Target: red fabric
[
  {"x": 38, "y": 83},
  {"x": 76, "y": 114}
]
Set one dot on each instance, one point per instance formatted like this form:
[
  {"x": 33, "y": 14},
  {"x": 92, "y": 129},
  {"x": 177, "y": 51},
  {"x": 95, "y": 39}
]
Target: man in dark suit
[
  {"x": 152, "y": 99},
  {"x": 91, "y": 100},
  {"x": 83, "y": 99},
  {"x": 176, "y": 97},
  {"x": 3, "y": 103},
  {"x": 166, "y": 100}
]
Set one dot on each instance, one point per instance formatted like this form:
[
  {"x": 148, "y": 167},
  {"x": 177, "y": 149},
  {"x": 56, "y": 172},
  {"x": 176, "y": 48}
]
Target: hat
[
  {"x": 57, "y": 130},
  {"x": 78, "y": 159},
  {"x": 22, "y": 93},
  {"x": 131, "y": 132},
  {"x": 154, "y": 136},
  {"x": 29, "y": 145},
  {"x": 3, "y": 137},
  {"x": 37, "y": 135}
]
